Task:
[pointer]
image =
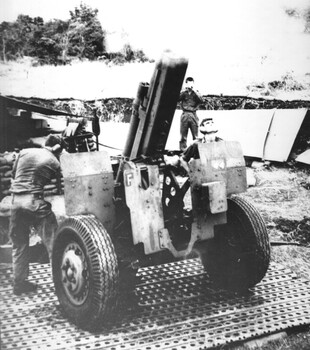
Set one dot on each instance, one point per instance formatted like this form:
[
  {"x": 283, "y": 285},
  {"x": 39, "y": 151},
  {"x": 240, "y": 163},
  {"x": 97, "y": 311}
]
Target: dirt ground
[{"x": 282, "y": 194}]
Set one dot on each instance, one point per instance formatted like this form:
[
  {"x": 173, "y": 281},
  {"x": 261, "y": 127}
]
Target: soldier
[
  {"x": 33, "y": 169},
  {"x": 209, "y": 130},
  {"x": 190, "y": 101}
]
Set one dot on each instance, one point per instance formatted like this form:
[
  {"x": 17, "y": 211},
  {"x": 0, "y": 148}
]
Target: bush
[{"x": 287, "y": 83}]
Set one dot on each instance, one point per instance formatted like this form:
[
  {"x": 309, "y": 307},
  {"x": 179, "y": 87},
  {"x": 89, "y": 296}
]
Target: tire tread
[{"x": 103, "y": 261}]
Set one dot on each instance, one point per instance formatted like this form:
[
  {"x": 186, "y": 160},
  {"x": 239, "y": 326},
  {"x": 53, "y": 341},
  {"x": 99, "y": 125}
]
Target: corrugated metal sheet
[
  {"x": 267, "y": 134},
  {"x": 283, "y": 131},
  {"x": 304, "y": 157},
  {"x": 249, "y": 127}
]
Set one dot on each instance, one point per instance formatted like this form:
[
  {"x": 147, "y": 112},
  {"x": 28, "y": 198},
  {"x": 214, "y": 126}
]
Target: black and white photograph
[{"x": 155, "y": 174}]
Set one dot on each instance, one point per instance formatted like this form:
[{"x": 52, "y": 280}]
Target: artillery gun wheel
[
  {"x": 238, "y": 256},
  {"x": 85, "y": 271}
]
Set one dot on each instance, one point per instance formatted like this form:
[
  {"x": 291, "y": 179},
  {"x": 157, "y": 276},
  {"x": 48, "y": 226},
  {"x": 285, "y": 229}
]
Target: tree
[
  {"x": 25, "y": 28},
  {"x": 307, "y": 19},
  {"x": 17, "y": 37},
  {"x": 81, "y": 36},
  {"x": 11, "y": 44},
  {"x": 57, "y": 41},
  {"x": 4, "y": 26},
  {"x": 85, "y": 34},
  {"x": 50, "y": 42}
]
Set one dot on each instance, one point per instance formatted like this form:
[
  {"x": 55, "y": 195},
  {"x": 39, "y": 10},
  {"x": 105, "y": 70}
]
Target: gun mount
[{"x": 116, "y": 225}]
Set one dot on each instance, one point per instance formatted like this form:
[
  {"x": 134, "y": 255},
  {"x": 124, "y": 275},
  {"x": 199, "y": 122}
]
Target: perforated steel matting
[{"x": 177, "y": 309}]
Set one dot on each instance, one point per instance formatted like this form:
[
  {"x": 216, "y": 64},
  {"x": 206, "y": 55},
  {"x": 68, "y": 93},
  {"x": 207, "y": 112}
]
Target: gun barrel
[
  {"x": 168, "y": 84},
  {"x": 153, "y": 110},
  {"x": 134, "y": 120},
  {"x": 162, "y": 96}
]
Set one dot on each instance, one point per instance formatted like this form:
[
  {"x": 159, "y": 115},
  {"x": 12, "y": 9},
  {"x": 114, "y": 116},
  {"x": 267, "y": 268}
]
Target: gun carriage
[{"x": 121, "y": 218}]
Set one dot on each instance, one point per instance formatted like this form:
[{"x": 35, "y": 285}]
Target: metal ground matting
[{"x": 177, "y": 309}]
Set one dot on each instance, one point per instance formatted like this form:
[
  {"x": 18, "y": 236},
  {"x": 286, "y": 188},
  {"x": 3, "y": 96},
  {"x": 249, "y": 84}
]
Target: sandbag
[
  {"x": 5, "y": 181},
  {"x": 10, "y": 158},
  {"x": 5, "y": 206},
  {"x": 51, "y": 192},
  {"x": 3, "y": 161},
  {"x": 8, "y": 174},
  {"x": 50, "y": 187},
  {"x": 5, "y": 168}
]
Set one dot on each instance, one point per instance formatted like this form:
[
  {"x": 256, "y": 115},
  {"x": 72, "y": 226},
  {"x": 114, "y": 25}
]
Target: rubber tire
[
  {"x": 101, "y": 259},
  {"x": 238, "y": 256}
]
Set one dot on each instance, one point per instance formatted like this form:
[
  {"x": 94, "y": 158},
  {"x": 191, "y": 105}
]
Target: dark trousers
[
  {"x": 29, "y": 210},
  {"x": 189, "y": 121}
]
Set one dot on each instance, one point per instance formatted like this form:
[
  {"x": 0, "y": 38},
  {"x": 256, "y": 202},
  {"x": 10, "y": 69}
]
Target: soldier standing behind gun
[
  {"x": 33, "y": 169},
  {"x": 190, "y": 101},
  {"x": 209, "y": 131}
]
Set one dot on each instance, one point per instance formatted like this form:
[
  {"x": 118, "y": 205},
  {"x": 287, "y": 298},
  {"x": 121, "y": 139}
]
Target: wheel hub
[{"x": 75, "y": 274}]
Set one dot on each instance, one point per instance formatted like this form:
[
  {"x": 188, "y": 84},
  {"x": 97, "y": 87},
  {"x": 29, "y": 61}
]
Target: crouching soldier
[{"x": 33, "y": 169}]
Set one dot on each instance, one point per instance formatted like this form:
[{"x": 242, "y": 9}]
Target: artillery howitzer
[{"x": 125, "y": 217}]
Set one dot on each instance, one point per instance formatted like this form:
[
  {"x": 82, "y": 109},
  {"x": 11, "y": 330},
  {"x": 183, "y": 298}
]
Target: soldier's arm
[
  {"x": 181, "y": 97},
  {"x": 58, "y": 179},
  {"x": 189, "y": 153},
  {"x": 184, "y": 164},
  {"x": 199, "y": 96},
  {"x": 15, "y": 167},
  {"x": 57, "y": 175}
]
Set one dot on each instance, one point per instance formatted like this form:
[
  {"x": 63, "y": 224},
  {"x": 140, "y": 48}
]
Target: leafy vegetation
[
  {"x": 287, "y": 82},
  {"x": 59, "y": 42},
  {"x": 307, "y": 19},
  {"x": 304, "y": 14}
]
